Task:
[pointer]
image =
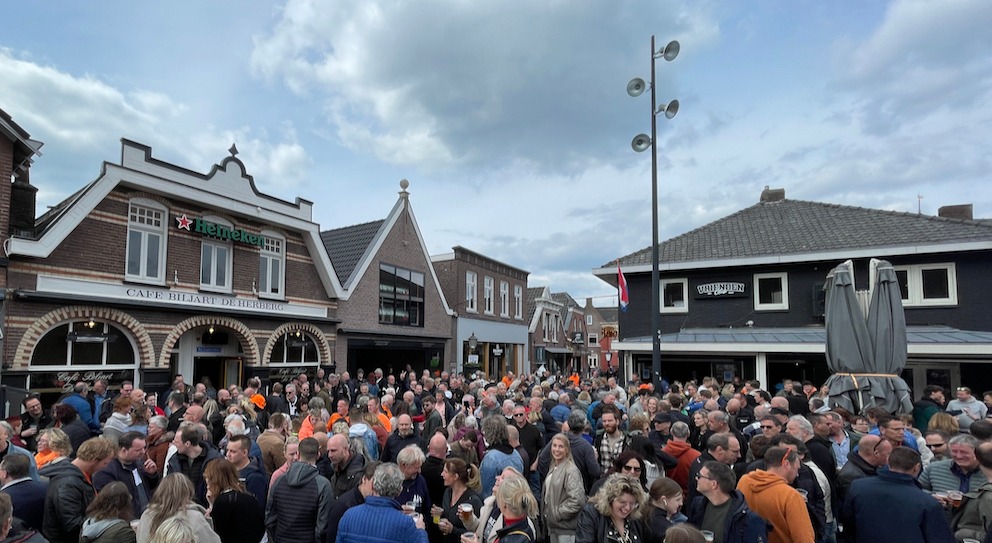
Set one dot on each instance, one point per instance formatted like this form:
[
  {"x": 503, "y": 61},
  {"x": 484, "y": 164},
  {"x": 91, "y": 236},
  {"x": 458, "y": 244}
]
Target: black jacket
[
  {"x": 299, "y": 505},
  {"x": 28, "y": 499},
  {"x": 115, "y": 471},
  {"x": 742, "y": 524},
  {"x": 395, "y": 444},
  {"x": 69, "y": 494},
  {"x": 180, "y": 463},
  {"x": 350, "y": 499},
  {"x": 593, "y": 527},
  {"x": 349, "y": 477},
  {"x": 238, "y": 518},
  {"x": 44, "y": 421}
]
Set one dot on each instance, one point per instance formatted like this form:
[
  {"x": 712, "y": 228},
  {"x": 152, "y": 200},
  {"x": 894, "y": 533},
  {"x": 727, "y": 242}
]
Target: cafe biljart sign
[
  {"x": 722, "y": 289},
  {"x": 219, "y": 231}
]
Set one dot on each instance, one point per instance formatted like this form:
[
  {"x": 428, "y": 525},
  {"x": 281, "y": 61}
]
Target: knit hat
[{"x": 258, "y": 400}]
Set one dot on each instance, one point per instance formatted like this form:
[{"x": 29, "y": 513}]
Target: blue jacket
[
  {"x": 869, "y": 512},
  {"x": 84, "y": 410},
  {"x": 493, "y": 463},
  {"x": 378, "y": 520},
  {"x": 742, "y": 524}
]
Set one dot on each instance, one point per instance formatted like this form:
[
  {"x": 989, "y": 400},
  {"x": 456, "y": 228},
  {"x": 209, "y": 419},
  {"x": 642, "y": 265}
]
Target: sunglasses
[
  {"x": 935, "y": 445},
  {"x": 767, "y": 427}
]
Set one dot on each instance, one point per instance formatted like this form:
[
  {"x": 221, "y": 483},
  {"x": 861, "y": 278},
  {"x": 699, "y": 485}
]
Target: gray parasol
[
  {"x": 887, "y": 331},
  {"x": 849, "y": 348}
]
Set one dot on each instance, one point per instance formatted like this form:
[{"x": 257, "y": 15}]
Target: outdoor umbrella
[
  {"x": 887, "y": 331},
  {"x": 849, "y": 348}
]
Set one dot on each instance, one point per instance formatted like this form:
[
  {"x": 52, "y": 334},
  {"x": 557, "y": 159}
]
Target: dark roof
[
  {"x": 530, "y": 298},
  {"x": 346, "y": 246},
  {"x": 608, "y": 314},
  {"x": 789, "y": 227},
  {"x": 567, "y": 302}
]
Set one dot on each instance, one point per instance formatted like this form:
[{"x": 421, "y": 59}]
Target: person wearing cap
[{"x": 661, "y": 430}]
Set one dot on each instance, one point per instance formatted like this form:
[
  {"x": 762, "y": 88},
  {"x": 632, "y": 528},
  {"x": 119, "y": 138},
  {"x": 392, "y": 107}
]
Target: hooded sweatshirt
[
  {"x": 106, "y": 531},
  {"x": 771, "y": 497}
]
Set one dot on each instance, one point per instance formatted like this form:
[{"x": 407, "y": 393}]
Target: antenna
[{"x": 919, "y": 204}]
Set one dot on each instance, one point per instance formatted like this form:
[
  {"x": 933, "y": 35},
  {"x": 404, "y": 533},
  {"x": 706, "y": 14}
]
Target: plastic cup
[
  {"x": 409, "y": 507},
  {"x": 955, "y": 498},
  {"x": 469, "y": 537},
  {"x": 436, "y": 519},
  {"x": 707, "y": 535},
  {"x": 465, "y": 512}
]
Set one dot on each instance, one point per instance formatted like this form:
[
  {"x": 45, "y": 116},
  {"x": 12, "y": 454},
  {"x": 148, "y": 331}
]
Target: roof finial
[
  {"x": 233, "y": 150},
  {"x": 403, "y": 186}
]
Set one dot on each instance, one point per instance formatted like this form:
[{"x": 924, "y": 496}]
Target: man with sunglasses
[
  {"x": 871, "y": 454},
  {"x": 937, "y": 443}
]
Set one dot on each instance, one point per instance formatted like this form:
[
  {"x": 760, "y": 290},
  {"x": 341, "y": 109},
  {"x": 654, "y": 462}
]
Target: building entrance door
[{"x": 222, "y": 371}]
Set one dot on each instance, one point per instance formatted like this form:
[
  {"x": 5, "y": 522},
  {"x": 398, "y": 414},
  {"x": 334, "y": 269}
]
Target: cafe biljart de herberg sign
[{"x": 218, "y": 231}]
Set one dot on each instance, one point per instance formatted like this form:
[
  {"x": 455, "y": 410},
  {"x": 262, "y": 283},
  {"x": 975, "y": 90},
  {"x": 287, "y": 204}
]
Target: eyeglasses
[
  {"x": 701, "y": 476},
  {"x": 519, "y": 414},
  {"x": 935, "y": 445},
  {"x": 763, "y": 427},
  {"x": 626, "y": 505}
]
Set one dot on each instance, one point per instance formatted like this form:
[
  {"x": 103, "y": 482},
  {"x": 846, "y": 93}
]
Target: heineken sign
[{"x": 219, "y": 231}]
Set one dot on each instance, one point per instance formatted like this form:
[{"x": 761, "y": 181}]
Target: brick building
[{"x": 152, "y": 270}]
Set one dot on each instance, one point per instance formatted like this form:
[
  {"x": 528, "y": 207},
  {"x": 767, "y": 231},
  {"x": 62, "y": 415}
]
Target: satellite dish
[
  {"x": 636, "y": 87},
  {"x": 671, "y": 51},
  {"x": 641, "y": 143}
]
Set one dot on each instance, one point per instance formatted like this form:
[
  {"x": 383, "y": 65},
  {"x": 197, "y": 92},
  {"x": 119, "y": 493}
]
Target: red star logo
[{"x": 184, "y": 222}]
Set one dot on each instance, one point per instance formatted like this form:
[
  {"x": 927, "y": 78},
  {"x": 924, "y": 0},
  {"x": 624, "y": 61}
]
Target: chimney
[
  {"x": 23, "y": 200},
  {"x": 771, "y": 195},
  {"x": 962, "y": 212}
]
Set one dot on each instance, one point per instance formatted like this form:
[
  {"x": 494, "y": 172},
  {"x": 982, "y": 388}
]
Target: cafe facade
[{"x": 153, "y": 270}]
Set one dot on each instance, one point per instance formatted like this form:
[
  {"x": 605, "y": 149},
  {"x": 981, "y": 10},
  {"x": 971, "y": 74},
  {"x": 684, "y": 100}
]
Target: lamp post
[{"x": 642, "y": 143}]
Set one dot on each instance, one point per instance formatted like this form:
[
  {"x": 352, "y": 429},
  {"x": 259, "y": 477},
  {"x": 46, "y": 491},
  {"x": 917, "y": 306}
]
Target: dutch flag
[{"x": 622, "y": 288}]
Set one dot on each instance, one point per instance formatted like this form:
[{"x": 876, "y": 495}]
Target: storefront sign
[
  {"x": 218, "y": 231},
  {"x": 168, "y": 297},
  {"x": 285, "y": 375},
  {"x": 723, "y": 289},
  {"x": 63, "y": 381},
  {"x": 208, "y": 349}
]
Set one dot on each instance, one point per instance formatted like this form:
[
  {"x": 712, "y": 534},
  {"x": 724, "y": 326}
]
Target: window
[
  {"x": 545, "y": 326},
  {"x": 518, "y": 301},
  {"x": 674, "y": 296},
  {"x": 146, "y": 235},
  {"x": 488, "y": 294},
  {"x": 271, "y": 266},
  {"x": 295, "y": 348},
  {"x": 928, "y": 284},
  {"x": 471, "y": 292},
  {"x": 593, "y": 340},
  {"x": 84, "y": 343},
  {"x": 771, "y": 291},
  {"x": 216, "y": 261},
  {"x": 401, "y": 296},
  {"x": 504, "y": 299},
  {"x": 588, "y": 320}
]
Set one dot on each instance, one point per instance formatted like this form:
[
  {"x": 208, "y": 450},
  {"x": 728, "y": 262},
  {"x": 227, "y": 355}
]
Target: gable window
[
  {"x": 674, "y": 296},
  {"x": 146, "y": 235},
  {"x": 518, "y": 302},
  {"x": 401, "y": 296},
  {"x": 471, "y": 292},
  {"x": 490, "y": 286},
  {"x": 593, "y": 340},
  {"x": 216, "y": 260},
  {"x": 504, "y": 299},
  {"x": 271, "y": 266},
  {"x": 771, "y": 291},
  {"x": 588, "y": 320},
  {"x": 928, "y": 284}
]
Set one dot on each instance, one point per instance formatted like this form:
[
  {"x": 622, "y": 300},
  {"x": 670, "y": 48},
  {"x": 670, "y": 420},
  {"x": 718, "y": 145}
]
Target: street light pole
[{"x": 640, "y": 143}]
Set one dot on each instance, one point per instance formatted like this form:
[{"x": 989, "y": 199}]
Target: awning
[{"x": 557, "y": 350}]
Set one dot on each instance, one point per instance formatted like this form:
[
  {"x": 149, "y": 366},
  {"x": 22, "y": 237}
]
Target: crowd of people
[{"x": 448, "y": 459}]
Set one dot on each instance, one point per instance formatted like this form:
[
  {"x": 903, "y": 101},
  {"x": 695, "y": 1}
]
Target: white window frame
[
  {"x": 588, "y": 320},
  {"x": 489, "y": 291},
  {"x": 471, "y": 292},
  {"x": 518, "y": 302},
  {"x": 213, "y": 245},
  {"x": 914, "y": 280},
  {"x": 147, "y": 230},
  {"x": 784, "y": 305},
  {"x": 593, "y": 339},
  {"x": 504, "y": 299},
  {"x": 273, "y": 251},
  {"x": 685, "y": 295},
  {"x": 544, "y": 325}
]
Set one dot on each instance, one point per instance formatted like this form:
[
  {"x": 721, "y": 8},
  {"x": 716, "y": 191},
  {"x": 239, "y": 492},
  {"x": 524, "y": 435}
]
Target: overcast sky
[{"x": 510, "y": 119}]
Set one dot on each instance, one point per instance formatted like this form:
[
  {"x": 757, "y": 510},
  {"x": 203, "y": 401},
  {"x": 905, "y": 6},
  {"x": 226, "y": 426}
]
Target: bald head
[{"x": 438, "y": 447}]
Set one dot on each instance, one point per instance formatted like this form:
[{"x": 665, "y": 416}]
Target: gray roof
[
  {"x": 789, "y": 227},
  {"x": 567, "y": 302},
  {"x": 346, "y": 246},
  {"x": 608, "y": 314},
  {"x": 941, "y": 335}
]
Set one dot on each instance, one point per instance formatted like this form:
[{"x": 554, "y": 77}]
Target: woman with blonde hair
[
  {"x": 519, "y": 508},
  {"x": 491, "y": 518},
  {"x": 175, "y": 530},
  {"x": 174, "y": 498},
  {"x": 53, "y": 446},
  {"x": 462, "y": 486},
  {"x": 237, "y": 516},
  {"x": 564, "y": 492},
  {"x": 944, "y": 422},
  {"x": 614, "y": 513}
]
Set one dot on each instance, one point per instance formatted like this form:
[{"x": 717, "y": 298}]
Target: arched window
[
  {"x": 295, "y": 348},
  {"x": 84, "y": 343},
  {"x": 146, "y": 238},
  {"x": 272, "y": 266},
  {"x": 216, "y": 257}
]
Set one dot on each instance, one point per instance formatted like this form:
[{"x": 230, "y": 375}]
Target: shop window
[
  {"x": 295, "y": 348},
  {"x": 928, "y": 284},
  {"x": 216, "y": 260},
  {"x": 272, "y": 266},
  {"x": 471, "y": 292},
  {"x": 674, "y": 296},
  {"x": 771, "y": 291},
  {"x": 146, "y": 235},
  {"x": 84, "y": 343},
  {"x": 401, "y": 296}
]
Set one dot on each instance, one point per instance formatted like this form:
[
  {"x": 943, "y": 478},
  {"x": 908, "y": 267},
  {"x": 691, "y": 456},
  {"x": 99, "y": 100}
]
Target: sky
[{"x": 511, "y": 119}]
